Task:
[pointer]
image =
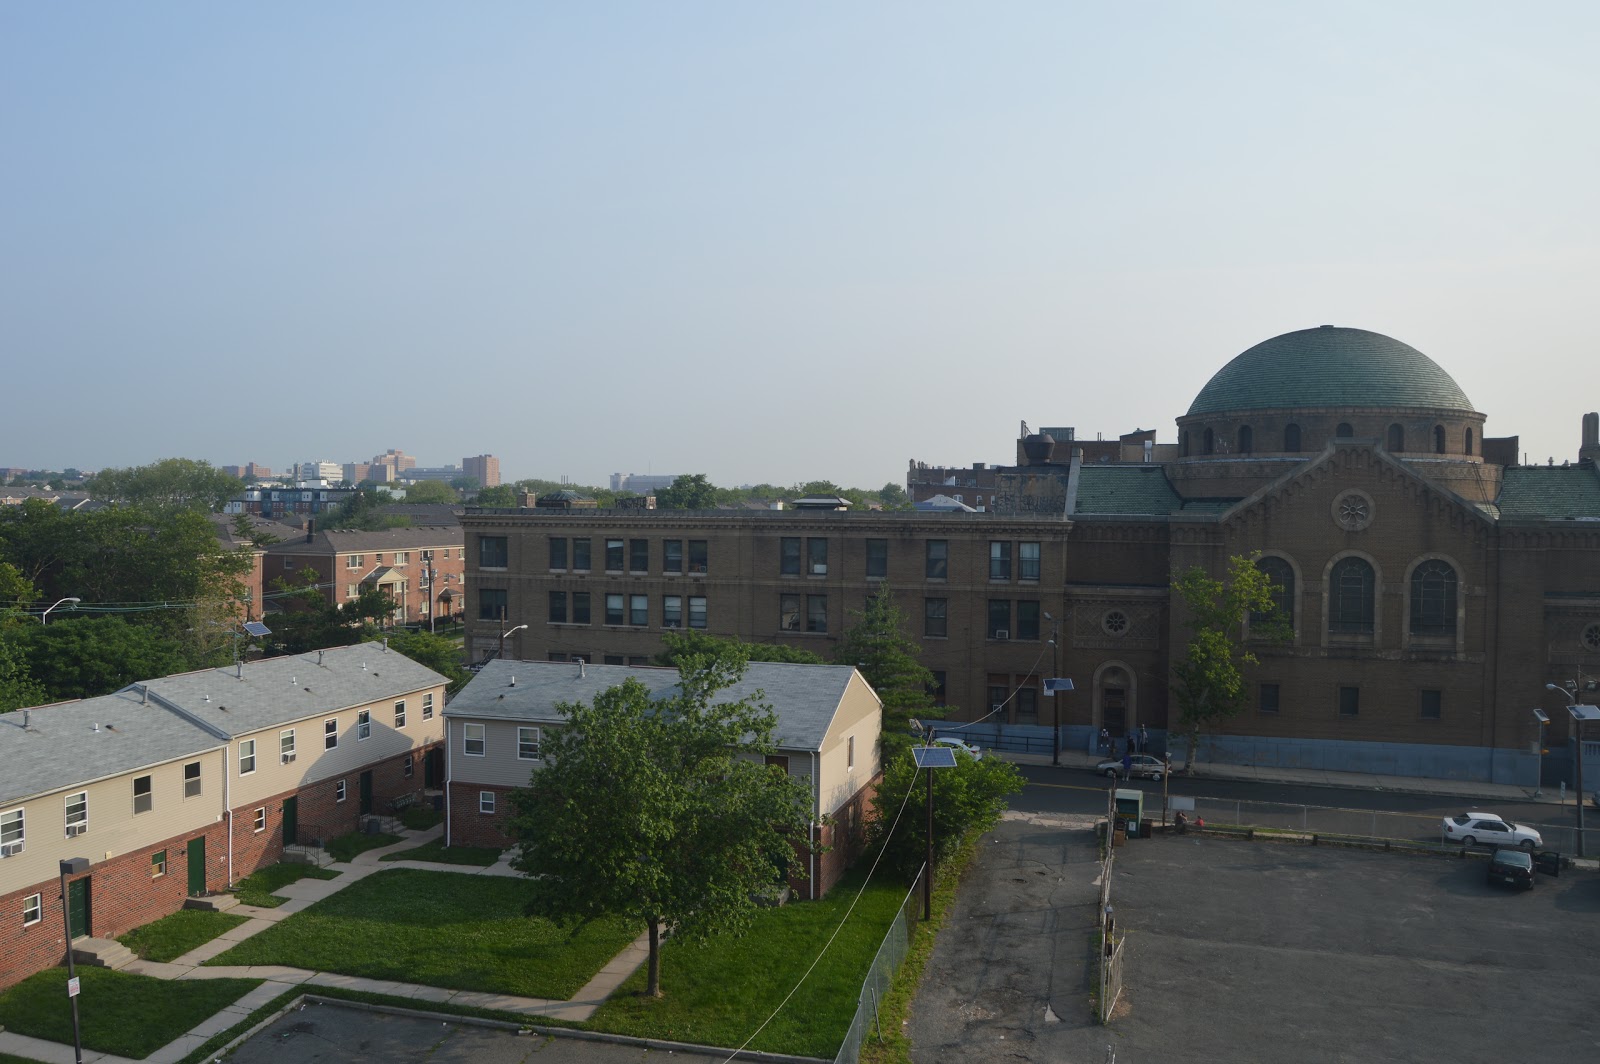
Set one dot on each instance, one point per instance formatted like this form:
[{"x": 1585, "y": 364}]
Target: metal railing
[{"x": 896, "y": 944}]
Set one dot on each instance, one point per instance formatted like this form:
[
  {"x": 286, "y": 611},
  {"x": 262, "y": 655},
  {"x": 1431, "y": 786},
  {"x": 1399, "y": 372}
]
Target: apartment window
[
  {"x": 528, "y": 744},
  {"x": 143, "y": 797},
  {"x": 935, "y": 617},
  {"x": 400, "y": 714},
  {"x": 1433, "y": 599},
  {"x": 339, "y": 791},
  {"x": 672, "y": 611},
  {"x": 247, "y": 756},
  {"x": 778, "y": 761},
  {"x": 1349, "y": 701},
  {"x": 580, "y": 555},
  {"x": 697, "y": 611},
  {"x": 427, "y": 706},
  {"x": 789, "y": 613},
  {"x": 491, "y": 603},
  {"x": 816, "y": 613},
  {"x": 937, "y": 563},
  {"x": 999, "y": 560},
  {"x": 877, "y": 559},
  {"x": 639, "y": 610},
  {"x": 492, "y": 552},
  {"x": 352, "y": 591},
  {"x": 817, "y": 556},
  {"x": 261, "y": 818},
  {"x": 1027, "y": 561},
  {"x": 789, "y": 556},
  {"x": 158, "y": 864},
  {"x": 286, "y": 745},
  {"x": 330, "y": 734},
  {"x": 1027, "y": 620},
  {"x": 12, "y": 833},
  {"x": 77, "y": 813},
  {"x": 850, "y": 752},
  {"x": 698, "y": 556},
  {"x": 672, "y": 555},
  {"x": 32, "y": 909},
  {"x": 408, "y": 767},
  {"x": 1267, "y": 699},
  {"x": 363, "y": 725},
  {"x": 613, "y": 555},
  {"x": 288, "y": 563},
  {"x": 558, "y": 552},
  {"x": 472, "y": 740},
  {"x": 1350, "y": 593},
  {"x": 353, "y": 561},
  {"x": 486, "y": 801},
  {"x": 558, "y": 607},
  {"x": 191, "y": 780},
  {"x": 638, "y": 555},
  {"x": 1432, "y": 705},
  {"x": 614, "y": 609},
  {"x": 402, "y": 557},
  {"x": 999, "y": 618}
]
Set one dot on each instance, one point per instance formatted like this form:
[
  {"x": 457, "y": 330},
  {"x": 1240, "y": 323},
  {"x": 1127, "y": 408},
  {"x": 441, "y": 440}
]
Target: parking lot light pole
[
  {"x": 1543, "y": 718},
  {"x": 72, "y": 866}
]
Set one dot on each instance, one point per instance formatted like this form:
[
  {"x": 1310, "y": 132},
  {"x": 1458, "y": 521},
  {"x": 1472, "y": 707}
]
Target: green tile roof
[
  {"x": 1550, "y": 493},
  {"x": 1114, "y": 489},
  {"x": 1329, "y": 366}
]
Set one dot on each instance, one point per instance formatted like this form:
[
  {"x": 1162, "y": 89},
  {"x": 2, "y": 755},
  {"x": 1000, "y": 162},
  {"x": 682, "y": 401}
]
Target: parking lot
[{"x": 1258, "y": 951}]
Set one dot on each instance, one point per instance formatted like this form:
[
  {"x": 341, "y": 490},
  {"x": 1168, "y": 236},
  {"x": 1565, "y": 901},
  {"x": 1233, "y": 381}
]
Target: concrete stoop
[
  {"x": 101, "y": 953},
  {"x": 311, "y": 855},
  {"x": 216, "y": 903}
]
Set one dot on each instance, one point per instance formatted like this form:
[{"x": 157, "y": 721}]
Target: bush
[{"x": 967, "y": 798}]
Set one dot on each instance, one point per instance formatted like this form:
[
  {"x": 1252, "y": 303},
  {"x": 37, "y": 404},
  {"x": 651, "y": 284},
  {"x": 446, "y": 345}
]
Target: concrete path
[{"x": 302, "y": 894}]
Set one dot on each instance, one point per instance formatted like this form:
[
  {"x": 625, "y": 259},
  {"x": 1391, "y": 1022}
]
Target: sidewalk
[{"x": 302, "y": 894}]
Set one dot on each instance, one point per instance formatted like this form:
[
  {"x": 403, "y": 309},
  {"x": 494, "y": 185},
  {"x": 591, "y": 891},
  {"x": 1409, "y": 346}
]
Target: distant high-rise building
[
  {"x": 485, "y": 469},
  {"x": 332, "y": 472},
  {"x": 397, "y": 461}
]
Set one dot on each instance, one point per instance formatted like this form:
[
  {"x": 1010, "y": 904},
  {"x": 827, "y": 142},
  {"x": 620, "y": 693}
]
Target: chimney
[
  {"x": 311, "y": 529},
  {"x": 526, "y": 498},
  {"x": 1590, "y": 451},
  {"x": 581, "y": 673}
]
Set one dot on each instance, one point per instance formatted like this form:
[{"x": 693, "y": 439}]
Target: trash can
[
  {"x": 1548, "y": 862},
  {"x": 1146, "y": 828}
]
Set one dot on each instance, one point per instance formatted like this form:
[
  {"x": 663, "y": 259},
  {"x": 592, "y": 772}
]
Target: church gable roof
[
  {"x": 1122, "y": 490},
  {"x": 1548, "y": 493}
]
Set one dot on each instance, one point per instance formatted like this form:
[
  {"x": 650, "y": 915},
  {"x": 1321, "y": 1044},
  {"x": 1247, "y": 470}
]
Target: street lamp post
[
  {"x": 70, "y": 598},
  {"x": 1580, "y": 713},
  {"x": 1542, "y": 718},
  {"x": 506, "y": 632},
  {"x": 72, "y": 866},
  {"x": 1055, "y": 670}
]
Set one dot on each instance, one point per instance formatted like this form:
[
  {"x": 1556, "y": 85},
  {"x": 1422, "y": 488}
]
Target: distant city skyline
[{"x": 763, "y": 242}]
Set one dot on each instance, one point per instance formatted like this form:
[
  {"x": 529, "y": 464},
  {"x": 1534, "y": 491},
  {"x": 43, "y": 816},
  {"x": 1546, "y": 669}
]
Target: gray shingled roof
[
  {"x": 276, "y": 691},
  {"x": 1125, "y": 489},
  {"x": 804, "y": 697},
  {"x": 60, "y": 747},
  {"x": 345, "y": 541},
  {"x": 1550, "y": 493},
  {"x": 1329, "y": 366}
]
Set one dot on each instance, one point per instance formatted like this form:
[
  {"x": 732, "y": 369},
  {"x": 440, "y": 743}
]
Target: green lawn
[
  {"x": 420, "y": 817},
  {"x": 439, "y": 929},
  {"x": 345, "y": 847},
  {"x": 123, "y": 1014},
  {"x": 482, "y": 856},
  {"x": 258, "y": 888},
  {"x": 716, "y": 993},
  {"x": 172, "y": 936}
]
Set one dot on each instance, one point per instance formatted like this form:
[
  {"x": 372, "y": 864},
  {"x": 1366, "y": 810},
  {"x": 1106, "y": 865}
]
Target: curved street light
[{"x": 70, "y": 598}]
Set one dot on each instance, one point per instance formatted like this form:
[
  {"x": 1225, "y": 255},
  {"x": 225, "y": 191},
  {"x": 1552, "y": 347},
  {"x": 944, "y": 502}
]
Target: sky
[{"x": 768, "y": 242}]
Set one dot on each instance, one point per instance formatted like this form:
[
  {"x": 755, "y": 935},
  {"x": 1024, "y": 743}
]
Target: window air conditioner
[
  {"x": 819, "y": 568},
  {"x": 1002, "y": 633},
  {"x": 288, "y": 759},
  {"x": 74, "y": 830},
  {"x": 10, "y": 848}
]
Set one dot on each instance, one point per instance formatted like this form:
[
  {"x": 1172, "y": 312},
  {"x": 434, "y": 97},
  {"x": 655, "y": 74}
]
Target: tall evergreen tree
[{"x": 877, "y": 644}]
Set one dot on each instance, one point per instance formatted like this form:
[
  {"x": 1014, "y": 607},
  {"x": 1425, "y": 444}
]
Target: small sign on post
[{"x": 72, "y": 987}]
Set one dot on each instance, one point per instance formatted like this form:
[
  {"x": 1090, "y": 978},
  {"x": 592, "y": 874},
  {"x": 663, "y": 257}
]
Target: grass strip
[
  {"x": 471, "y": 1012},
  {"x": 420, "y": 817},
  {"x": 439, "y": 929},
  {"x": 345, "y": 848},
  {"x": 259, "y": 888},
  {"x": 172, "y": 936},
  {"x": 7, "y": 1058},
  {"x": 121, "y": 1013},
  {"x": 437, "y": 851},
  {"x": 222, "y": 1038},
  {"x": 716, "y": 993}
]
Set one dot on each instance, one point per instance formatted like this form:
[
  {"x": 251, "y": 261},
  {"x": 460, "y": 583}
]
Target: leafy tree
[
  {"x": 464, "y": 483},
  {"x": 890, "y": 660},
  {"x": 894, "y": 497},
  {"x": 1208, "y": 677},
  {"x": 436, "y": 491},
  {"x": 309, "y": 621},
  {"x": 681, "y": 646},
  {"x": 252, "y": 533},
  {"x": 172, "y": 483},
  {"x": 660, "y": 809},
  {"x": 499, "y": 495},
  {"x": 818, "y": 487},
  {"x": 437, "y": 652},
  {"x": 89, "y": 656},
  {"x": 969, "y": 797},
  {"x": 691, "y": 491},
  {"x": 18, "y": 688}
]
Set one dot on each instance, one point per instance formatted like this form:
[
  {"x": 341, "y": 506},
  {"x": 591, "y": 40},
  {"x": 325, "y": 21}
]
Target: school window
[
  {"x": 492, "y": 552},
  {"x": 672, "y": 611},
  {"x": 612, "y": 659},
  {"x": 485, "y": 801},
  {"x": 191, "y": 780},
  {"x": 580, "y": 607},
  {"x": 261, "y": 818},
  {"x": 937, "y": 563},
  {"x": 638, "y": 659},
  {"x": 1027, "y": 561},
  {"x": 935, "y": 617},
  {"x": 999, "y": 560},
  {"x": 638, "y": 555},
  {"x": 558, "y": 607},
  {"x": 697, "y": 611},
  {"x": 330, "y": 734},
  {"x": 12, "y": 831},
  {"x": 672, "y": 555},
  {"x": 789, "y": 613},
  {"x": 939, "y": 689},
  {"x": 1267, "y": 700},
  {"x": 339, "y": 791},
  {"x": 143, "y": 797},
  {"x": 1027, "y": 620},
  {"x": 699, "y": 556},
  {"x": 472, "y": 740},
  {"x": 409, "y": 767},
  {"x": 286, "y": 745},
  {"x": 580, "y": 555},
  {"x": 427, "y": 706},
  {"x": 1349, "y": 701},
  {"x": 817, "y": 557},
  {"x": 999, "y": 618},
  {"x": 1432, "y": 705},
  {"x": 363, "y": 725},
  {"x": 528, "y": 744},
  {"x": 32, "y": 909},
  {"x": 877, "y": 559},
  {"x": 999, "y": 694},
  {"x": 614, "y": 609},
  {"x": 1026, "y": 701},
  {"x": 491, "y": 603},
  {"x": 400, "y": 714},
  {"x": 816, "y": 613},
  {"x": 639, "y": 610},
  {"x": 613, "y": 555},
  {"x": 247, "y": 756},
  {"x": 158, "y": 864},
  {"x": 558, "y": 553},
  {"x": 77, "y": 813},
  {"x": 789, "y": 556}
]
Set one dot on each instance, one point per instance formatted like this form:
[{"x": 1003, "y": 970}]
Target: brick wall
[
  {"x": 845, "y": 836},
  {"x": 469, "y": 827}
]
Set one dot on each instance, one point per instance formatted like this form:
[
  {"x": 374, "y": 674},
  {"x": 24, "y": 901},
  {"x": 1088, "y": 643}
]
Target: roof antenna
[
  {"x": 319, "y": 657},
  {"x": 581, "y": 672},
  {"x": 145, "y": 701},
  {"x": 513, "y": 681}
]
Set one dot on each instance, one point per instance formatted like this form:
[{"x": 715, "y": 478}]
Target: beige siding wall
[
  {"x": 859, "y": 717},
  {"x": 499, "y": 765}
]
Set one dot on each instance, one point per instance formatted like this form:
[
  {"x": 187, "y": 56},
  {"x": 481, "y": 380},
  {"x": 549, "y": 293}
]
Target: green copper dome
[{"x": 1329, "y": 366}]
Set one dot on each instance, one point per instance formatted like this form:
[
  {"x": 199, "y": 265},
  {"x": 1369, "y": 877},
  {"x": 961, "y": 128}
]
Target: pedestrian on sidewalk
[
  {"x": 1144, "y": 739},
  {"x": 1105, "y": 743},
  {"x": 1127, "y": 760}
]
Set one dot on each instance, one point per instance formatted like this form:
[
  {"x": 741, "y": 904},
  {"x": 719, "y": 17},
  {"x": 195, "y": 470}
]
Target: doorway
[
  {"x": 366, "y": 792},
  {"x": 433, "y": 768},
  {"x": 197, "y": 867},
  {"x": 79, "y": 909},
  {"x": 290, "y": 821}
]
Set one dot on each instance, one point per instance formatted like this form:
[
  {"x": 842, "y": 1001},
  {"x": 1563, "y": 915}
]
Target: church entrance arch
[{"x": 1115, "y": 699}]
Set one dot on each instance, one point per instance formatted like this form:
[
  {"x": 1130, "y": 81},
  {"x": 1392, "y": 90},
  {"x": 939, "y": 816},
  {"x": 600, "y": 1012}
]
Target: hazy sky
[{"x": 763, "y": 241}]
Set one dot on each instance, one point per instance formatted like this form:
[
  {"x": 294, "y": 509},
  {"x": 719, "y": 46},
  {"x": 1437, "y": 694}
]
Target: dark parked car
[{"x": 1511, "y": 866}]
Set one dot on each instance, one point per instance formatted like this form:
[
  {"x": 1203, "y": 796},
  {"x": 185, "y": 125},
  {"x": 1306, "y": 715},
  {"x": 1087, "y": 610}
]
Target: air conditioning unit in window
[
  {"x": 74, "y": 830},
  {"x": 671, "y": 624},
  {"x": 1002, "y": 633},
  {"x": 10, "y": 849},
  {"x": 819, "y": 568},
  {"x": 288, "y": 759}
]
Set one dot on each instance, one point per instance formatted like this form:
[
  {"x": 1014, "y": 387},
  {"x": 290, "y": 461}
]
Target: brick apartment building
[
  {"x": 421, "y": 568},
  {"x": 485, "y": 469},
  {"x": 1435, "y": 585}
]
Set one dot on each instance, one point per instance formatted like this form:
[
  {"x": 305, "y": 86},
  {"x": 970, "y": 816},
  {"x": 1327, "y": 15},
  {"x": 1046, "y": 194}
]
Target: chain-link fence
[
  {"x": 896, "y": 944},
  {"x": 1110, "y": 975}
]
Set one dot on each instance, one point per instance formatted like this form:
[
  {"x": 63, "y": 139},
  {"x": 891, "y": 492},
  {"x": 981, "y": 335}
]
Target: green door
[
  {"x": 366, "y": 793},
  {"x": 78, "y": 906},
  {"x": 197, "y": 866},
  {"x": 433, "y": 768},
  {"x": 290, "y": 808}
]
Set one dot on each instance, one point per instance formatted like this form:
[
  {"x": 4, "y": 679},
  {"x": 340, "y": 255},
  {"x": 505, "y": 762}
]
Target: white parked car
[
  {"x": 956, "y": 744},
  {"x": 1486, "y": 829},
  {"x": 1139, "y": 765}
]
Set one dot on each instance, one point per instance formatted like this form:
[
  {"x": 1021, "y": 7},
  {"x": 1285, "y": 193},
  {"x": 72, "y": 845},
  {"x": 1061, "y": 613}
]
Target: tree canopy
[
  {"x": 967, "y": 798},
  {"x": 437, "y": 652},
  {"x": 660, "y": 809},
  {"x": 692, "y": 491},
  {"x": 500, "y": 495},
  {"x": 172, "y": 483},
  {"x": 682, "y": 645},
  {"x": 88, "y": 656},
  {"x": 891, "y": 661},
  {"x": 431, "y": 491}
]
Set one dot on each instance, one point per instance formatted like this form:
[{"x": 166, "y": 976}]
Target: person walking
[
  {"x": 1144, "y": 739},
  {"x": 1127, "y": 760},
  {"x": 1105, "y": 743}
]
